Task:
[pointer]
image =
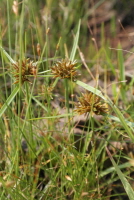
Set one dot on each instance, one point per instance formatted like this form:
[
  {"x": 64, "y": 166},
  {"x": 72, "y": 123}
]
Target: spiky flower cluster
[
  {"x": 91, "y": 103},
  {"x": 22, "y": 69},
  {"x": 65, "y": 69}
]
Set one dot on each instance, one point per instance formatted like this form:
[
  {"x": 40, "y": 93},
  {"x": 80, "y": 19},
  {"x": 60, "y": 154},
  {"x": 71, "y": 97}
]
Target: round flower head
[
  {"x": 64, "y": 69},
  {"x": 91, "y": 103},
  {"x": 22, "y": 69}
]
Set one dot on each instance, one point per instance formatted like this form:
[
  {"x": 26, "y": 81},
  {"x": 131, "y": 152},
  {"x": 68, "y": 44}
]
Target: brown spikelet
[
  {"x": 65, "y": 69},
  {"x": 15, "y": 7},
  {"x": 91, "y": 103},
  {"x": 38, "y": 49},
  {"x": 22, "y": 69}
]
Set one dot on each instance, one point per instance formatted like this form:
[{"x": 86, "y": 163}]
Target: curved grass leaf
[
  {"x": 127, "y": 186},
  {"x": 7, "y": 55},
  {"x": 112, "y": 169}
]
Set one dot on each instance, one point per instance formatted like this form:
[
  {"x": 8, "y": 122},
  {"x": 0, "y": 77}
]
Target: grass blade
[
  {"x": 9, "y": 100},
  {"x": 7, "y": 55},
  {"x": 53, "y": 117},
  {"x": 73, "y": 52},
  {"x": 112, "y": 169},
  {"x": 124, "y": 181}
]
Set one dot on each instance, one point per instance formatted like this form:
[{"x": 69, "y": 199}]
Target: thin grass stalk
[
  {"x": 8, "y": 23},
  {"x": 29, "y": 112},
  {"x": 18, "y": 135},
  {"x": 4, "y": 76},
  {"x": 94, "y": 154},
  {"x": 121, "y": 73},
  {"x": 66, "y": 95}
]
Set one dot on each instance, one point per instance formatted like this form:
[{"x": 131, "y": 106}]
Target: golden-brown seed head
[
  {"x": 22, "y": 69},
  {"x": 64, "y": 69},
  {"x": 91, "y": 103}
]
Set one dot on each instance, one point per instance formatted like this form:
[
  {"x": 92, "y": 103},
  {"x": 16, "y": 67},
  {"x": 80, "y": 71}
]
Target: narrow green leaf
[
  {"x": 53, "y": 117},
  {"x": 9, "y": 100},
  {"x": 73, "y": 52},
  {"x": 45, "y": 60},
  {"x": 121, "y": 72},
  {"x": 39, "y": 103},
  {"x": 7, "y": 55},
  {"x": 121, "y": 65},
  {"x": 127, "y": 186},
  {"x": 91, "y": 89},
  {"x": 131, "y": 124},
  {"x": 112, "y": 169}
]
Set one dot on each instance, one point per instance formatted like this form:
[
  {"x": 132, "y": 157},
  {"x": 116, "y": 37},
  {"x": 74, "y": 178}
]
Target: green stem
[{"x": 66, "y": 95}]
